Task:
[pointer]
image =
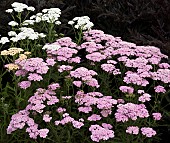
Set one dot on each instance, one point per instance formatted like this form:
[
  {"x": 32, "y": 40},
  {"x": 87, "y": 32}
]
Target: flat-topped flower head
[
  {"x": 4, "y": 40},
  {"x": 159, "y": 89},
  {"x": 100, "y": 133},
  {"x": 157, "y": 116},
  {"x": 82, "y": 23},
  {"x": 148, "y": 132},
  {"x": 19, "y": 7},
  {"x": 132, "y": 130}
]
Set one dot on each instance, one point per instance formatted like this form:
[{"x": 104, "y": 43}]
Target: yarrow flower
[
  {"x": 157, "y": 116},
  {"x": 145, "y": 97},
  {"x": 9, "y": 10},
  {"x": 100, "y": 133},
  {"x": 94, "y": 117},
  {"x": 81, "y": 23},
  {"x": 47, "y": 118},
  {"x": 4, "y": 40},
  {"x": 12, "y": 51},
  {"x": 43, "y": 133},
  {"x": 126, "y": 89},
  {"x": 130, "y": 111},
  {"x": 61, "y": 110},
  {"x": 107, "y": 126},
  {"x": 159, "y": 89},
  {"x": 148, "y": 132},
  {"x": 12, "y": 66},
  {"x": 132, "y": 130},
  {"x": 77, "y": 83},
  {"x": 19, "y": 7},
  {"x": 34, "y": 77},
  {"x": 13, "y": 23},
  {"x": 24, "y": 84}
]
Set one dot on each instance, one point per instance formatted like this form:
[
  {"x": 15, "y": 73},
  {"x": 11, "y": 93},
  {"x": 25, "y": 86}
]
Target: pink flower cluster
[
  {"x": 137, "y": 64},
  {"x": 47, "y": 118},
  {"x": 20, "y": 120},
  {"x": 157, "y": 116},
  {"x": 86, "y": 76},
  {"x": 67, "y": 119},
  {"x": 61, "y": 110},
  {"x": 148, "y": 132},
  {"x": 37, "y": 104},
  {"x": 100, "y": 133},
  {"x": 42, "y": 95},
  {"x": 162, "y": 75},
  {"x": 110, "y": 68},
  {"x": 104, "y": 103},
  {"x": 33, "y": 67},
  {"x": 144, "y": 57},
  {"x": 95, "y": 56},
  {"x": 130, "y": 111},
  {"x": 135, "y": 78},
  {"x": 65, "y": 52},
  {"x": 126, "y": 89},
  {"x": 132, "y": 130},
  {"x": 90, "y": 46},
  {"x": 94, "y": 117},
  {"x": 63, "y": 68},
  {"x": 145, "y": 97},
  {"x": 159, "y": 89}
]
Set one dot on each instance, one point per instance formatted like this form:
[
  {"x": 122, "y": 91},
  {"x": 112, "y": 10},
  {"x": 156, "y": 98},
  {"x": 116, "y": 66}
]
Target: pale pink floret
[
  {"x": 43, "y": 133},
  {"x": 127, "y": 89},
  {"x": 50, "y": 62},
  {"x": 106, "y": 112},
  {"x": 34, "y": 77},
  {"x": 47, "y": 118},
  {"x": 159, "y": 89},
  {"x": 164, "y": 65},
  {"x": 21, "y": 73},
  {"x": 157, "y": 116},
  {"x": 77, "y": 124},
  {"x": 145, "y": 97},
  {"x": 95, "y": 57},
  {"x": 24, "y": 84},
  {"x": 85, "y": 109},
  {"x": 148, "y": 132},
  {"x": 132, "y": 130},
  {"x": 53, "y": 86},
  {"x": 77, "y": 83},
  {"x": 108, "y": 67},
  {"x": 107, "y": 126},
  {"x": 61, "y": 110},
  {"x": 94, "y": 117},
  {"x": 63, "y": 68},
  {"x": 100, "y": 133},
  {"x": 130, "y": 111}
]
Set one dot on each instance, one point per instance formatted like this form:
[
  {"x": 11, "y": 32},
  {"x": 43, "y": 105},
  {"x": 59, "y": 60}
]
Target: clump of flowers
[
  {"x": 79, "y": 84},
  {"x": 12, "y": 51},
  {"x": 83, "y": 23},
  {"x": 100, "y": 133}
]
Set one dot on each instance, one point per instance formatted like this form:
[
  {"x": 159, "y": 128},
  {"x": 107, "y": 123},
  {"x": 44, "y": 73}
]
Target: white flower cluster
[
  {"x": 12, "y": 33},
  {"x": 51, "y": 47},
  {"x": 28, "y": 22},
  {"x": 4, "y": 40},
  {"x": 82, "y": 22},
  {"x": 25, "y": 33},
  {"x": 49, "y": 15},
  {"x": 19, "y": 7},
  {"x": 13, "y": 23}
]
